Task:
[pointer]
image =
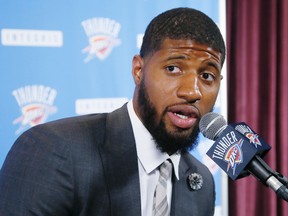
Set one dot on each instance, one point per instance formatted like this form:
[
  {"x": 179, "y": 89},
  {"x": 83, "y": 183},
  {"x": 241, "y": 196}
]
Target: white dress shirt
[{"x": 149, "y": 158}]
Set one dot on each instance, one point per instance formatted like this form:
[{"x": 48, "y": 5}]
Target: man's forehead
[
  {"x": 172, "y": 46},
  {"x": 185, "y": 44}
]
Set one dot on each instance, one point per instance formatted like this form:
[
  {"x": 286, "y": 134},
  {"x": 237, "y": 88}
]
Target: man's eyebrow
[
  {"x": 175, "y": 57},
  {"x": 212, "y": 64}
]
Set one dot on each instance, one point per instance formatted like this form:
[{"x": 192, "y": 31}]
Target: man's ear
[{"x": 137, "y": 65}]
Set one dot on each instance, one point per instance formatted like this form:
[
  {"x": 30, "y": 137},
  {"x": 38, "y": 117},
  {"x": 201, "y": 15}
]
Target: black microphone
[{"x": 238, "y": 150}]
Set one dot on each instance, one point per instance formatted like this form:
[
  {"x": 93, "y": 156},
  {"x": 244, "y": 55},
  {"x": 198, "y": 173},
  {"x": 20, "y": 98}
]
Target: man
[{"x": 107, "y": 164}]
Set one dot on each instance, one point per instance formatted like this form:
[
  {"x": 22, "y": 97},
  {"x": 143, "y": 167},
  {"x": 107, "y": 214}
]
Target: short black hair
[{"x": 182, "y": 23}]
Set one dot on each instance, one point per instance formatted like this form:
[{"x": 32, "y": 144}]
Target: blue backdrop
[{"x": 63, "y": 58}]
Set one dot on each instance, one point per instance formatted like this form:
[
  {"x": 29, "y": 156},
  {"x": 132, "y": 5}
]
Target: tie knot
[{"x": 166, "y": 169}]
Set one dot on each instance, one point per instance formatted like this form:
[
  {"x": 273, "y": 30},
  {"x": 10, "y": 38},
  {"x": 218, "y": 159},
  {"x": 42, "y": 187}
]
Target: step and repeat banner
[{"x": 63, "y": 58}]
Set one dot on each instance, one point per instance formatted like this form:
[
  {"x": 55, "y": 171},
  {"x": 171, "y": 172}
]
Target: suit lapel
[
  {"x": 184, "y": 201},
  {"x": 120, "y": 164}
]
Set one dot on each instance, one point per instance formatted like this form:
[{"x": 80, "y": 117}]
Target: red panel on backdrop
[{"x": 257, "y": 43}]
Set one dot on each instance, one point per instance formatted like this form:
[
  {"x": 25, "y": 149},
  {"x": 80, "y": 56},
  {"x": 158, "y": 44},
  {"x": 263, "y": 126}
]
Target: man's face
[{"x": 175, "y": 87}]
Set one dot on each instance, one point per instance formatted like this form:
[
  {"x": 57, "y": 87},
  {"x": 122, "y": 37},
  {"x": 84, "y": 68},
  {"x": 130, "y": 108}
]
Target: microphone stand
[
  {"x": 276, "y": 181},
  {"x": 282, "y": 192}
]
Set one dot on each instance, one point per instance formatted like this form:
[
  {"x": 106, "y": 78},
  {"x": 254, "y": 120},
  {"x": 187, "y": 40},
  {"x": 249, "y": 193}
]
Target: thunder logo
[
  {"x": 253, "y": 138},
  {"x": 103, "y": 36},
  {"x": 234, "y": 156},
  {"x": 247, "y": 132},
  {"x": 36, "y": 103}
]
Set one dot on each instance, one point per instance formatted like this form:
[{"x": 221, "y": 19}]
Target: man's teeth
[{"x": 181, "y": 116}]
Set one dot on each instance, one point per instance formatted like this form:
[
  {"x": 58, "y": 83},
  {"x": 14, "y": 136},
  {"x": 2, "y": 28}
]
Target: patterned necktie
[{"x": 160, "y": 203}]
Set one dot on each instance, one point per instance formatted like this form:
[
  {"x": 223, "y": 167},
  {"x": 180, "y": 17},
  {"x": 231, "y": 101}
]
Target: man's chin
[
  {"x": 173, "y": 142},
  {"x": 180, "y": 133}
]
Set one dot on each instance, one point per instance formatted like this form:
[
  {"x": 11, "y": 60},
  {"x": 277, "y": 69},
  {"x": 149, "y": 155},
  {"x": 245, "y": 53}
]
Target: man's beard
[{"x": 169, "y": 142}]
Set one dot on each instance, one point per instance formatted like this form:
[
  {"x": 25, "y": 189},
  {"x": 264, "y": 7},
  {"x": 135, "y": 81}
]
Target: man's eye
[
  {"x": 173, "y": 69},
  {"x": 208, "y": 76}
]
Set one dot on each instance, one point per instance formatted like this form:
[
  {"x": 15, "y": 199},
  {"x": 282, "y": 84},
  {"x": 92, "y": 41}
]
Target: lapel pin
[{"x": 195, "y": 181}]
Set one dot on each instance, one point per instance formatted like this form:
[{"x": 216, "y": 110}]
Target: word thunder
[
  {"x": 101, "y": 25},
  {"x": 35, "y": 93},
  {"x": 224, "y": 144}
]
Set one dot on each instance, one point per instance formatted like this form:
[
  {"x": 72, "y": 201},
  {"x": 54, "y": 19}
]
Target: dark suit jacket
[{"x": 87, "y": 166}]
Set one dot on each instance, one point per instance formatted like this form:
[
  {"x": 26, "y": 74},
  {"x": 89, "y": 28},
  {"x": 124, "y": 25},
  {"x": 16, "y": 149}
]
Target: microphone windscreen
[{"x": 212, "y": 124}]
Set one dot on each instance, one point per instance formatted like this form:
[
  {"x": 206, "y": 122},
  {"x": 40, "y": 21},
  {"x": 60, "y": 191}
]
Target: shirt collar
[{"x": 149, "y": 156}]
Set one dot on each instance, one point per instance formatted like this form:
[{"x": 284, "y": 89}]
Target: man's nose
[{"x": 189, "y": 88}]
